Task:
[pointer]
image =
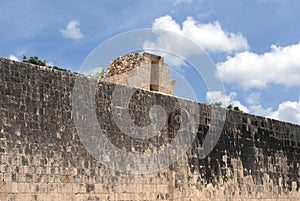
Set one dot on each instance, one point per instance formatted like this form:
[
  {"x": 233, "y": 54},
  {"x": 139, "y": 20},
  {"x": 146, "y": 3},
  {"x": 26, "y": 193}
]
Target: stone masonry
[
  {"x": 43, "y": 158},
  {"x": 142, "y": 70}
]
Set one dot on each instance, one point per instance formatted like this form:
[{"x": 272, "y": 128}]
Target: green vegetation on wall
[{"x": 35, "y": 60}]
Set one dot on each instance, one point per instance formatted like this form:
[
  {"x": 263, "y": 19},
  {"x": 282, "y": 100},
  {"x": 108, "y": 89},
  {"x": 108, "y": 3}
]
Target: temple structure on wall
[{"x": 141, "y": 70}]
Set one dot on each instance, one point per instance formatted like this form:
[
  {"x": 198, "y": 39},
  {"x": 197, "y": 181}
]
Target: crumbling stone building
[{"x": 142, "y": 70}]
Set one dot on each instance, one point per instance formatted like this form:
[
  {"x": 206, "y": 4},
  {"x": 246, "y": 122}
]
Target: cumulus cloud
[
  {"x": 254, "y": 106},
  {"x": 279, "y": 66},
  {"x": 230, "y": 99},
  {"x": 216, "y": 96},
  {"x": 288, "y": 111},
  {"x": 72, "y": 30},
  {"x": 13, "y": 57},
  {"x": 210, "y": 36}
]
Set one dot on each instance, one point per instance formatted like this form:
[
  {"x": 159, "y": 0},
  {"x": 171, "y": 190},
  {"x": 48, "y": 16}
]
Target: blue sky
[{"x": 255, "y": 44}]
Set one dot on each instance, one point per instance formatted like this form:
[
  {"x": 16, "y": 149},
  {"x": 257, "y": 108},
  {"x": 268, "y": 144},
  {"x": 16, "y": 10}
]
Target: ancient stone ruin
[
  {"x": 42, "y": 156},
  {"x": 141, "y": 70}
]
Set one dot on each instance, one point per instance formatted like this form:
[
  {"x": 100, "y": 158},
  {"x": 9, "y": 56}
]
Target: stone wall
[
  {"x": 141, "y": 70},
  {"x": 124, "y": 64},
  {"x": 43, "y": 158}
]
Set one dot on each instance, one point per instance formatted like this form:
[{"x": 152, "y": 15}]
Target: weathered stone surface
[
  {"x": 42, "y": 157},
  {"x": 142, "y": 70},
  {"x": 124, "y": 64}
]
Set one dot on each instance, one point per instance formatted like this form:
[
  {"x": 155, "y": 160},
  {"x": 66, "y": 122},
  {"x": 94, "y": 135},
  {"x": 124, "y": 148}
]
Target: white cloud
[
  {"x": 255, "y": 107},
  {"x": 279, "y": 66},
  {"x": 72, "y": 30},
  {"x": 13, "y": 57},
  {"x": 166, "y": 23},
  {"x": 253, "y": 98},
  {"x": 176, "y": 2},
  {"x": 210, "y": 36},
  {"x": 258, "y": 109},
  {"x": 287, "y": 111},
  {"x": 218, "y": 96}
]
